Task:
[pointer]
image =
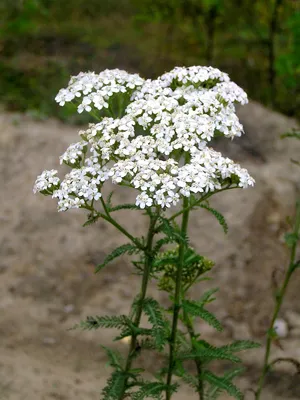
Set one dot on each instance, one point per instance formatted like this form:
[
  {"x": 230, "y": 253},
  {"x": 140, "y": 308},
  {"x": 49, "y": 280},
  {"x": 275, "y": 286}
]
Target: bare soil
[{"x": 47, "y": 280}]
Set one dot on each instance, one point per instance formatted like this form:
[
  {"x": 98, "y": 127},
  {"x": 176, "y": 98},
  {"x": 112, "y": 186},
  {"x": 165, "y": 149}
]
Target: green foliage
[
  {"x": 291, "y": 239},
  {"x": 159, "y": 326},
  {"x": 215, "y": 391},
  {"x": 197, "y": 310},
  {"x": 119, "y": 251},
  {"x": 97, "y": 322},
  {"x": 92, "y": 218},
  {"x": 221, "y": 384},
  {"x": 115, "y": 386},
  {"x": 172, "y": 231},
  {"x": 240, "y": 345},
  {"x": 293, "y": 134},
  {"x": 153, "y": 390},
  {"x": 234, "y": 36},
  {"x": 115, "y": 358},
  {"x": 206, "y": 353},
  {"x": 125, "y": 207},
  {"x": 218, "y": 216},
  {"x": 165, "y": 267}
]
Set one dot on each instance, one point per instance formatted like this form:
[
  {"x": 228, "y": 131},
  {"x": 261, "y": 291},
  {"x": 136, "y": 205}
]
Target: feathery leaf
[
  {"x": 103, "y": 322},
  {"x": 208, "y": 353},
  {"x": 239, "y": 345},
  {"x": 196, "y": 310},
  {"x": 153, "y": 310},
  {"x": 115, "y": 358},
  {"x": 119, "y": 251},
  {"x": 152, "y": 390},
  {"x": 114, "y": 388},
  {"x": 218, "y": 216},
  {"x": 214, "y": 391},
  {"x": 125, "y": 206},
  {"x": 172, "y": 231},
  {"x": 223, "y": 384}
]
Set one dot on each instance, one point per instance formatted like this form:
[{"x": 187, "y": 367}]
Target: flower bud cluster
[{"x": 156, "y": 142}]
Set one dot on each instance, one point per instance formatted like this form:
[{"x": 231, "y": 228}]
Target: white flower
[{"x": 143, "y": 200}]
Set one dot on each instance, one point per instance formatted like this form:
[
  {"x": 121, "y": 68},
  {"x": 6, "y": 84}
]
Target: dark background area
[{"x": 42, "y": 42}]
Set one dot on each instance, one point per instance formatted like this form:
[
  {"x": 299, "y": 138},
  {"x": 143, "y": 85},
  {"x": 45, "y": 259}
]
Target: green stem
[
  {"x": 279, "y": 300},
  {"x": 177, "y": 298},
  {"x": 107, "y": 217},
  {"x": 142, "y": 295},
  {"x": 188, "y": 323}
]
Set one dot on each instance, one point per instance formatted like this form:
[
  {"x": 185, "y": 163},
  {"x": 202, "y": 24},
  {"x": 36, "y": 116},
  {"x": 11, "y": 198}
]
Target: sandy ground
[{"x": 47, "y": 280}]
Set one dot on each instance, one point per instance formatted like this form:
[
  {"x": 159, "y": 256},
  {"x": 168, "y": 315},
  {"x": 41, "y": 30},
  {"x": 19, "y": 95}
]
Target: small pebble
[
  {"x": 281, "y": 328},
  {"x": 69, "y": 308},
  {"x": 49, "y": 340}
]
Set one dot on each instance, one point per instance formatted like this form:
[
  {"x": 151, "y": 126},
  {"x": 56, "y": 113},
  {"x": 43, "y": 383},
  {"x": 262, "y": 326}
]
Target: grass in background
[{"x": 42, "y": 42}]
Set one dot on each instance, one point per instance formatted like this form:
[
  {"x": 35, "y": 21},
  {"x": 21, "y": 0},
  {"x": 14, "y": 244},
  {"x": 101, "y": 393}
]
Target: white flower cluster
[
  {"x": 95, "y": 90},
  {"x": 46, "y": 182},
  {"x": 74, "y": 153},
  {"x": 159, "y": 145}
]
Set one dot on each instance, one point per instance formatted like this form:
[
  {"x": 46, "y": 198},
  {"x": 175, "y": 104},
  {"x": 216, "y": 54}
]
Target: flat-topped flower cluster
[{"x": 152, "y": 135}]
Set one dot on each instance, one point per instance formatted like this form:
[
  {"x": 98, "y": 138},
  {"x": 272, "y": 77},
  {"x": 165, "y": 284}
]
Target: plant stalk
[
  {"x": 142, "y": 295},
  {"x": 177, "y": 299},
  {"x": 279, "y": 301}
]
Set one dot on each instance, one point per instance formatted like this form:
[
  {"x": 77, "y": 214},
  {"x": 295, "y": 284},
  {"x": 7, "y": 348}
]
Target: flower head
[{"x": 154, "y": 138}]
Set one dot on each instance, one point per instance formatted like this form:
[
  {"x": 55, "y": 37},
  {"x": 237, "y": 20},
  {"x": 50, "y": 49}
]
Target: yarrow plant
[{"x": 152, "y": 136}]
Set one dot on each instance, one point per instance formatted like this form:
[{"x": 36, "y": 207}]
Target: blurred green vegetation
[{"x": 42, "y": 42}]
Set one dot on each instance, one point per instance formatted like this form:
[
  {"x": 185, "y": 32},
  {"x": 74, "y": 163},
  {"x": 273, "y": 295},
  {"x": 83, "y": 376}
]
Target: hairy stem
[
  {"x": 142, "y": 295},
  {"x": 279, "y": 300},
  {"x": 177, "y": 299}
]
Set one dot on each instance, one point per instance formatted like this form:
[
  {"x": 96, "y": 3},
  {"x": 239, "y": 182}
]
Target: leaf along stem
[
  {"x": 279, "y": 301},
  {"x": 177, "y": 298}
]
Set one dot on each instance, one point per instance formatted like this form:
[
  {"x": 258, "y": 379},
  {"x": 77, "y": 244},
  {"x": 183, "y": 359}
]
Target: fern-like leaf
[
  {"x": 160, "y": 243},
  {"x": 103, "y": 322},
  {"x": 240, "y": 345},
  {"x": 115, "y": 358},
  {"x": 115, "y": 386},
  {"x": 207, "y": 296},
  {"x": 208, "y": 353},
  {"x": 222, "y": 384},
  {"x": 172, "y": 231},
  {"x": 153, "y": 311},
  {"x": 126, "y": 206},
  {"x": 92, "y": 218},
  {"x": 214, "y": 391},
  {"x": 153, "y": 390},
  {"x": 196, "y": 310},
  {"x": 218, "y": 215},
  {"x": 119, "y": 251}
]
